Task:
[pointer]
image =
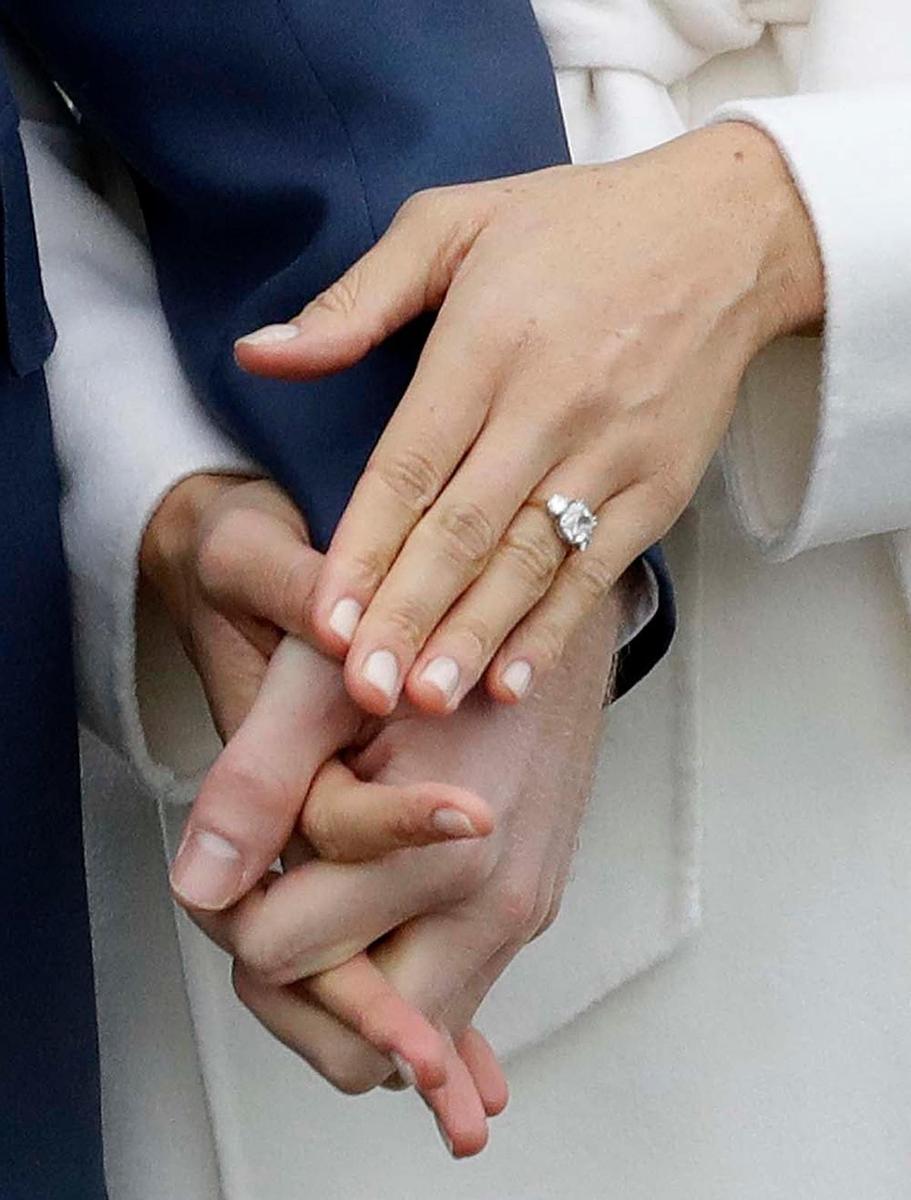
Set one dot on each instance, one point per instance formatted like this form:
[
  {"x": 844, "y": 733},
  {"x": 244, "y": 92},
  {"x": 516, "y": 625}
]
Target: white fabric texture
[{"x": 127, "y": 427}]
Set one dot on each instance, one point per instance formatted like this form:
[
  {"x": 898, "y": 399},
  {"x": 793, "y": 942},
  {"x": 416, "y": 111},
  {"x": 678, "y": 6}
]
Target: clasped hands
[
  {"x": 420, "y": 855},
  {"x": 593, "y": 327}
]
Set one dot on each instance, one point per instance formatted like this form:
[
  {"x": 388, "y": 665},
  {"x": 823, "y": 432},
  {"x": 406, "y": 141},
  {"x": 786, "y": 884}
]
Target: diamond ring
[{"x": 573, "y": 520}]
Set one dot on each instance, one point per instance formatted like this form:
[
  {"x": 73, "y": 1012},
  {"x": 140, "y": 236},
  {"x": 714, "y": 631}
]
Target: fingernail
[
  {"x": 382, "y": 670},
  {"x": 443, "y": 674},
  {"x": 269, "y": 335},
  {"x": 517, "y": 677},
  {"x": 208, "y": 871},
  {"x": 447, "y": 1140},
  {"x": 452, "y": 823},
  {"x": 344, "y": 617},
  {"x": 404, "y": 1068}
]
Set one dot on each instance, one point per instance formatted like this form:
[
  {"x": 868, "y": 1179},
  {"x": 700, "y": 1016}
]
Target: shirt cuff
[{"x": 127, "y": 430}]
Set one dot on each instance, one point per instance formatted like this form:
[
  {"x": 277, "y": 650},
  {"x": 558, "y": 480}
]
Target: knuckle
[
  {"x": 223, "y": 548},
  {"x": 474, "y": 633},
  {"x": 424, "y": 203},
  {"x": 467, "y": 533},
  {"x": 341, "y": 298},
  {"x": 411, "y": 476},
  {"x": 593, "y": 576},
  {"x": 355, "y": 1071},
  {"x": 549, "y": 639},
  {"x": 469, "y": 867},
  {"x": 669, "y": 493},
  {"x": 366, "y": 568},
  {"x": 257, "y": 955},
  {"x": 535, "y": 555},
  {"x": 249, "y": 785},
  {"x": 515, "y": 909},
  {"x": 295, "y": 587},
  {"x": 321, "y": 828},
  {"x": 407, "y": 622}
]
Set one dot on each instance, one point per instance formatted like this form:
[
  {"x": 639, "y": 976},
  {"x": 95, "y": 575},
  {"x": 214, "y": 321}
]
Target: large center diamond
[{"x": 575, "y": 520}]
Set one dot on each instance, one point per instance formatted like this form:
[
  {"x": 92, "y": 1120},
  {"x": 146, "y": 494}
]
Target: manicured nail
[
  {"x": 452, "y": 823},
  {"x": 208, "y": 871},
  {"x": 269, "y": 335},
  {"x": 405, "y": 1070},
  {"x": 382, "y": 670},
  {"x": 517, "y": 677},
  {"x": 443, "y": 674},
  {"x": 345, "y": 616}
]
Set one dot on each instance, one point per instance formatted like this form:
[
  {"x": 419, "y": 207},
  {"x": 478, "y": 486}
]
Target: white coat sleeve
[
  {"x": 819, "y": 450},
  {"x": 127, "y": 429}
]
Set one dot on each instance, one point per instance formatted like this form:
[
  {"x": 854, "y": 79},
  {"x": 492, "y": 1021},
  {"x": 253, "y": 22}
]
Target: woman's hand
[{"x": 594, "y": 326}]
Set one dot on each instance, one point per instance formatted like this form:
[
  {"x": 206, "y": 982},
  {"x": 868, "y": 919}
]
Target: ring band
[{"x": 573, "y": 520}]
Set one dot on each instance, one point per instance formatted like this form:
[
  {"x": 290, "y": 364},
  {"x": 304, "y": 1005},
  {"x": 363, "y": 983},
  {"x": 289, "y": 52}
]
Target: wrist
[{"x": 789, "y": 292}]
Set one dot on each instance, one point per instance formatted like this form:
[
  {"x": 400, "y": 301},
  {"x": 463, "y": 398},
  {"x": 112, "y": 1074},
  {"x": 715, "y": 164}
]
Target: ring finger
[{"x": 529, "y": 558}]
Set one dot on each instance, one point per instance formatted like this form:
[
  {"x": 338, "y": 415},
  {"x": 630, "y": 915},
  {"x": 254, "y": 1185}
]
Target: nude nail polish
[
  {"x": 443, "y": 674},
  {"x": 517, "y": 677},
  {"x": 382, "y": 670},
  {"x": 452, "y": 823},
  {"x": 344, "y": 617},
  {"x": 269, "y": 335}
]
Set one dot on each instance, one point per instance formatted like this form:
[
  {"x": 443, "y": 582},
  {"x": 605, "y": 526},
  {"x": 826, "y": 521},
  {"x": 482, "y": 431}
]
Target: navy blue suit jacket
[{"x": 50, "y": 1146}]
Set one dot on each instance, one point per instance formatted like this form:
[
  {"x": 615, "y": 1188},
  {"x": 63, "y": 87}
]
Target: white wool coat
[{"x": 753, "y": 793}]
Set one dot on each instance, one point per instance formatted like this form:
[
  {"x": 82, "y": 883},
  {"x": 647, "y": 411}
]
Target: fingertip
[
  {"x": 428, "y": 698},
  {"x": 510, "y": 681},
  {"x": 373, "y": 683},
  {"x": 337, "y": 622}
]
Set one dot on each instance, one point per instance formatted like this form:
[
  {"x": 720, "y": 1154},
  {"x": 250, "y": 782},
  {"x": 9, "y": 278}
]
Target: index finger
[{"x": 438, "y": 419}]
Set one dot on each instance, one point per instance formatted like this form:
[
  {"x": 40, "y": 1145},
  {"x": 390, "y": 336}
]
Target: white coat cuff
[
  {"x": 127, "y": 429},
  {"x": 819, "y": 447}
]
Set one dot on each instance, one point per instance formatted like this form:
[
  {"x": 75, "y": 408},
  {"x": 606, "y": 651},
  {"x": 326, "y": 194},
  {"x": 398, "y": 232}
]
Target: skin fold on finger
[
  {"x": 627, "y": 526},
  {"x": 443, "y": 555},
  {"x": 437, "y": 420},
  {"x": 519, "y": 573},
  {"x": 516, "y": 578},
  {"x": 346, "y": 819}
]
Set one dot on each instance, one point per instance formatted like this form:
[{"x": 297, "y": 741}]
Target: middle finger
[{"x": 447, "y": 550}]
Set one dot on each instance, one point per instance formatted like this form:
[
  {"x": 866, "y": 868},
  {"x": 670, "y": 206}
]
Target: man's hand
[
  {"x": 231, "y": 562},
  {"x": 440, "y": 923}
]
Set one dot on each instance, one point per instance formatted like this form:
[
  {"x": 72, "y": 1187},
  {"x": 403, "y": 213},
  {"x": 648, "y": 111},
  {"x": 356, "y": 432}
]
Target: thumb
[
  {"x": 251, "y": 798},
  {"x": 407, "y": 272}
]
